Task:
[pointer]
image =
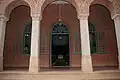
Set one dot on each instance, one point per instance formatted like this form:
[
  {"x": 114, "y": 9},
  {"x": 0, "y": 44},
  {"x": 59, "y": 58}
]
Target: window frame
[
  {"x": 97, "y": 38},
  {"x": 27, "y": 33}
]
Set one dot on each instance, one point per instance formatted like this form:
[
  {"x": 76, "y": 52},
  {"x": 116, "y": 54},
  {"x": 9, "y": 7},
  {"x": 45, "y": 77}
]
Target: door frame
[{"x": 50, "y": 55}]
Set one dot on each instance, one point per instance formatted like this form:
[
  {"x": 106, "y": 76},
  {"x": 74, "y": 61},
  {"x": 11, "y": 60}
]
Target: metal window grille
[
  {"x": 26, "y": 43},
  {"x": 97, "y": 40}
]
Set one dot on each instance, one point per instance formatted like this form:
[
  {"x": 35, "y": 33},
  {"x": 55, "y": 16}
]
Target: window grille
[
  {"x": 97, "y": 40},
  {"x": 27, "y": 38}
]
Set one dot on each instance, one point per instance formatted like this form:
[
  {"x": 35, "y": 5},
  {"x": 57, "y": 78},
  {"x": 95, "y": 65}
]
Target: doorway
[{"x": 60, "y": 45}]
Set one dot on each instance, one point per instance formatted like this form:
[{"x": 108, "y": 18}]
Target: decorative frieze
[
  {"x": 116, "y": 10},
  {"x": 84, "y": 6}
]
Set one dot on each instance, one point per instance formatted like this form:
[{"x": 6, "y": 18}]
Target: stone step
[{"x": 60, "y": 75}]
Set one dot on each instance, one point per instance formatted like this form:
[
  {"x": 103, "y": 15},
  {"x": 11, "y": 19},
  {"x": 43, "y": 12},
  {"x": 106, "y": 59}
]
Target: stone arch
[
  {"x": 105, "y": 3},
  {"x": 13, "y": 4},
  {"x": 18, "y": 20},
  {"x": 100, "y": 17},
  {"x": 49, "y": 19},
  {"x": 101, "y": 6},
  {"x": 43, "y": 3}
]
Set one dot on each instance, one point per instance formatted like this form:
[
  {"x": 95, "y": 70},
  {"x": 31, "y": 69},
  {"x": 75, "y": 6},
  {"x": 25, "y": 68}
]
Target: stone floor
[{"x": 60, "y": 75}]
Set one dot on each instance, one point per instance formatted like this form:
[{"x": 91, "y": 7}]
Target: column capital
[
  {"x": 36, "y": 16},
  {"x": 116, "y": 17},
  {"x": 3, "y": 18},
  {"x": 83, "y": 16}
]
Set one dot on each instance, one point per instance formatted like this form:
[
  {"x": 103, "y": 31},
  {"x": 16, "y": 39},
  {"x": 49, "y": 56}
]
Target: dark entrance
[{"x": 60, "y": 45}]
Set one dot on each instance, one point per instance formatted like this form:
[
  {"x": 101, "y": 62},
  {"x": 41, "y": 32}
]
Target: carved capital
[
  {"x": 83, "y": 16},
  {"x": 3, "y": 18},
  {"x": 36, "y": 16},
  {"x": 116, "y": 17}
]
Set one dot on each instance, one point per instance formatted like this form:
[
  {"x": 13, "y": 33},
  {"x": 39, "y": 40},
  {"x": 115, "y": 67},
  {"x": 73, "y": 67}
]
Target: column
[
  {"x": 85, "y": 44},
  {"x": 35, "y": 43},
  {"x": 116, "y": 19},
  {"x": 3, "y": 21}
]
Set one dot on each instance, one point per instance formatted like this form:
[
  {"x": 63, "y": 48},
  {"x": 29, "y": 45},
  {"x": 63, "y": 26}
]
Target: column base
[
  {"x": 119, "y": 62},
  {"x": 34, "y": 65},
  {"x": 1, "y": 63},
  {"x": 86, "y": 63}
]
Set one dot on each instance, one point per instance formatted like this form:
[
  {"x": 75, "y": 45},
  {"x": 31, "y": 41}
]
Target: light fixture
[{"x": 60, "y": 37}]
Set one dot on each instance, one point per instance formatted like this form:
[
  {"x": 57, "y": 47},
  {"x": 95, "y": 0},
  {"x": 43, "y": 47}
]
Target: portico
[{"x": 60, "y": 35}]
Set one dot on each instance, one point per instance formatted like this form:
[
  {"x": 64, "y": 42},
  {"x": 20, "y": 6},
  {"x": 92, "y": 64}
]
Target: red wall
[
  {"x": 14, "y": 35},
  {"x": 21, "y": 15},
  {"x": 50, "y": 17},
  {"x": 100, "y": 17}
]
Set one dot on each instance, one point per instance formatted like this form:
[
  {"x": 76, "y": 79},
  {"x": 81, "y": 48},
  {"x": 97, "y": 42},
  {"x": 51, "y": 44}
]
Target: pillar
[
  {"x": 35, "y": 43},
  {"x": 85, "y": 44},
  {"x": 3, "y": 21},
  {"x": 116, "y": 19}
]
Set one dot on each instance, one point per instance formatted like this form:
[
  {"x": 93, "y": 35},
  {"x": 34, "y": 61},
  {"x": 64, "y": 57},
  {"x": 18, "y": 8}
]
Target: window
[
  {"x": 97, "y": 40},
  {"x": 60, "y": 33},
  {"x": 27, "y": 38},
  {"x": 60, "y": 28}
]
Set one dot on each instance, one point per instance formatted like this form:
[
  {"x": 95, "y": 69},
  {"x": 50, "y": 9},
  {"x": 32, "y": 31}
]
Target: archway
[
  {"x": 102, "y": 38},
  {"x": 15, "y": 3},
  {"x": 60, "y": 45},
  {"x": 45, "y": 3},
  {"x": 15, "y": 54},
  {"x": 55, "y": 12}
]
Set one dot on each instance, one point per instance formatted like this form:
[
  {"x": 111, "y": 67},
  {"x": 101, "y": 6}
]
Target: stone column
[
  {"x": 116, "y": 19},
  {"x": 3, "y": 21},
  {"x": 35, "y": 43},
  {"x": 85, "y": 44}
]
